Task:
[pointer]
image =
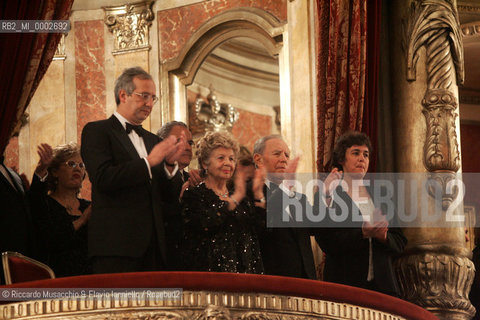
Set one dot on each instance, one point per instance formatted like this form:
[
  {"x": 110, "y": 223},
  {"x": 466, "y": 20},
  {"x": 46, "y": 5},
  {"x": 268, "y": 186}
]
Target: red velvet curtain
[
  {"x": 347, "y": 95},
  {"x": 24, "y": 58}
]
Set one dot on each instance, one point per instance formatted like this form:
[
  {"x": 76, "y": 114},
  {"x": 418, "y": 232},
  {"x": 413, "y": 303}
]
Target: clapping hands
[
  {"x": 45, "y": 152},
  {"x": 377, "y": 227}
]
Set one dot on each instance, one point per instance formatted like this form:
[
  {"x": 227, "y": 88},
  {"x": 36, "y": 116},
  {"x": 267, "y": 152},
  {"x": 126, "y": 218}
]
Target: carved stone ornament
[
  {"x": 441, "y": 186},
  {"x": 422, "y": 279},
  {"x": 434, "y": 24},
  {"x": 216, "y": 116},
  {"x": 441, "y": 147},
  {"x": 129, "y": 24},
  {"x": 193, "y": 305},
  {"x": 60, "y": 51}
]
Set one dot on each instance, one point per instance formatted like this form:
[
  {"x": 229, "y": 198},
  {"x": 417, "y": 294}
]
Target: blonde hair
[
  {"x": 61, "y": 154},
  {"x": 212, "y": 141}
]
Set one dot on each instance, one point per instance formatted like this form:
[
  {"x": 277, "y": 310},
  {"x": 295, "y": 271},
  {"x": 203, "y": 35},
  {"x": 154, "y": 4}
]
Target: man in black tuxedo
[
  {"x": 16, "y": 224},
  {"x": 285, "y": 251},
  {"x": 171, "y": 192},
  {"x": 124, "y": 163}
]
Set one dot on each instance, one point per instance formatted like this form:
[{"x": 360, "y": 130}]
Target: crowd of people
[{"x": 148, "y": 212}]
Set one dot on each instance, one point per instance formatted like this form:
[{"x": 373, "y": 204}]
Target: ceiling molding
[
  {"x": 241, "y": 69},
  {"x": 242, "y": 49},
  {"x": 471, "y": 29},
  {"x": 467, "y": 8}
]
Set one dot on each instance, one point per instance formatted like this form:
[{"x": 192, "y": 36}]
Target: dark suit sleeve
[
  {"x": 101, "y": 153},
  {"x": 396, "y": 241},
  {"x": 347, "y": 239}
]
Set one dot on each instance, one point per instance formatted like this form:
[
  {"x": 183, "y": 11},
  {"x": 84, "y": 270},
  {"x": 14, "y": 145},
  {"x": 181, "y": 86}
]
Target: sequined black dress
[{"x": 217, "y": 239}]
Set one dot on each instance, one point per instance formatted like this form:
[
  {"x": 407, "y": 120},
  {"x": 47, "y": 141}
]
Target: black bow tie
[{"x": 138, "y": 129}]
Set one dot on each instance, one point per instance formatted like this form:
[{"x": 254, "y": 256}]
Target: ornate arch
[{"x": 240, "y": 22}]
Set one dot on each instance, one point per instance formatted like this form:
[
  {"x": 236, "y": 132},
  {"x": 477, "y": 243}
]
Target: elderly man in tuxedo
[
  {"x": 285, "y": 251},
  {"x": 124, "y": 164},
  {"x": 171, "y": 192}
]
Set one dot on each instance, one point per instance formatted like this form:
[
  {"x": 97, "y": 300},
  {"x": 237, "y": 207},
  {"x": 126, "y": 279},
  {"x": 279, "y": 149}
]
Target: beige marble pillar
[
  {"x": 297, "y": 67},
  {"x": 427, "y": 60}
]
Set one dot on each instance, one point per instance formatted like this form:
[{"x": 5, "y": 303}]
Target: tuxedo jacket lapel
[
  {"x": 14, "y": 178},
  {"x": 120, "y": 133},
  {"x": 149, "y": 140}
]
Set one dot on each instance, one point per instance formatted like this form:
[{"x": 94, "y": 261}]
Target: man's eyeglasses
[
  {"x": 146, "y": 96},
  {"x": 72, "y": 164}
]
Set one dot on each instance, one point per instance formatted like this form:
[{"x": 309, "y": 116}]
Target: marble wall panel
[
  {"x": 11, "y": 153},
  {"x": 89, "y": 78},
  {"x": 90, "y": 73},
  {"x": 176, "y": 26},
  {"x": 47, "y": 113},
  {"x": 250, "y": 127}
]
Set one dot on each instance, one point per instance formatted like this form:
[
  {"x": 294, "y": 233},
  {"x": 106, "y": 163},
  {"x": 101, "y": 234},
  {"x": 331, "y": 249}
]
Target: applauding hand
[{"x": 45, "y": 152}]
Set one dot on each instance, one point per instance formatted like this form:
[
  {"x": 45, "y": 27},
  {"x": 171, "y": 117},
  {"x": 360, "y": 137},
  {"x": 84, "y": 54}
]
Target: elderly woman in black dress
[
  {"x": 62, "y": 215},
  {"x": 220, "y": 223}
]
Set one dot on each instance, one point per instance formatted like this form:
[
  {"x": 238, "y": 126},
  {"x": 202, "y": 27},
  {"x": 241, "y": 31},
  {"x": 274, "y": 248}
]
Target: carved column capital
[
  {"x": 423, "y": 281},
  {"x": 130, "y": 26}
]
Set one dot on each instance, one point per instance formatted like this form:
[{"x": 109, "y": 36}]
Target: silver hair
[
  {"x": 165, "y": 130},
  {"x": 259, "y": 145},
  {"x": 125, "y": 81}
]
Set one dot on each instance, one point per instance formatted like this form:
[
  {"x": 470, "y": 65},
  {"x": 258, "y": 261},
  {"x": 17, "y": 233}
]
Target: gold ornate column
[
  {"x": 129, "y": 25},
  {"x": 435, "y": 271}
]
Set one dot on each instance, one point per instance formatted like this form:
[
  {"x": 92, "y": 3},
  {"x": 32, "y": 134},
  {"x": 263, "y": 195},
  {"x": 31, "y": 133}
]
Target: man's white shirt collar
[{"x": 120, "y": 118}]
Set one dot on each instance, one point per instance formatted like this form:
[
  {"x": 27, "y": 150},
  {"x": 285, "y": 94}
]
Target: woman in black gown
[
  {"x": 62, "y": 216},
  {"x": 220, "y": 223}
]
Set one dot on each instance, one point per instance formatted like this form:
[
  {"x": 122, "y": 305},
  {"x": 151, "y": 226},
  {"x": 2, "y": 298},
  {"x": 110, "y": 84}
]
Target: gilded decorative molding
[
  {"x": 468, "y": 8},
  {"x": 471, "y": 29},
  {"x": 423, "y": 282},
  {"x": 196, "y": 305},
  {"x": 60, "y": 52},
  {"x": 441, "y": 146},
  {"x": 434, "y": 24},
  {"x": 129, "y": 24},
  {"x": 438, "y": 183},
  {"x": 216, "y": 116}
]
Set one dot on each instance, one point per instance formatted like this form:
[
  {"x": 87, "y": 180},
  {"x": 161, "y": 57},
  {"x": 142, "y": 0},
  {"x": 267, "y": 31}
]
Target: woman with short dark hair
[{"x": 360, "y": 253}]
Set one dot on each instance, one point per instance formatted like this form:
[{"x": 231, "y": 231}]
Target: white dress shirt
[{"x": 139, "y": 145}]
